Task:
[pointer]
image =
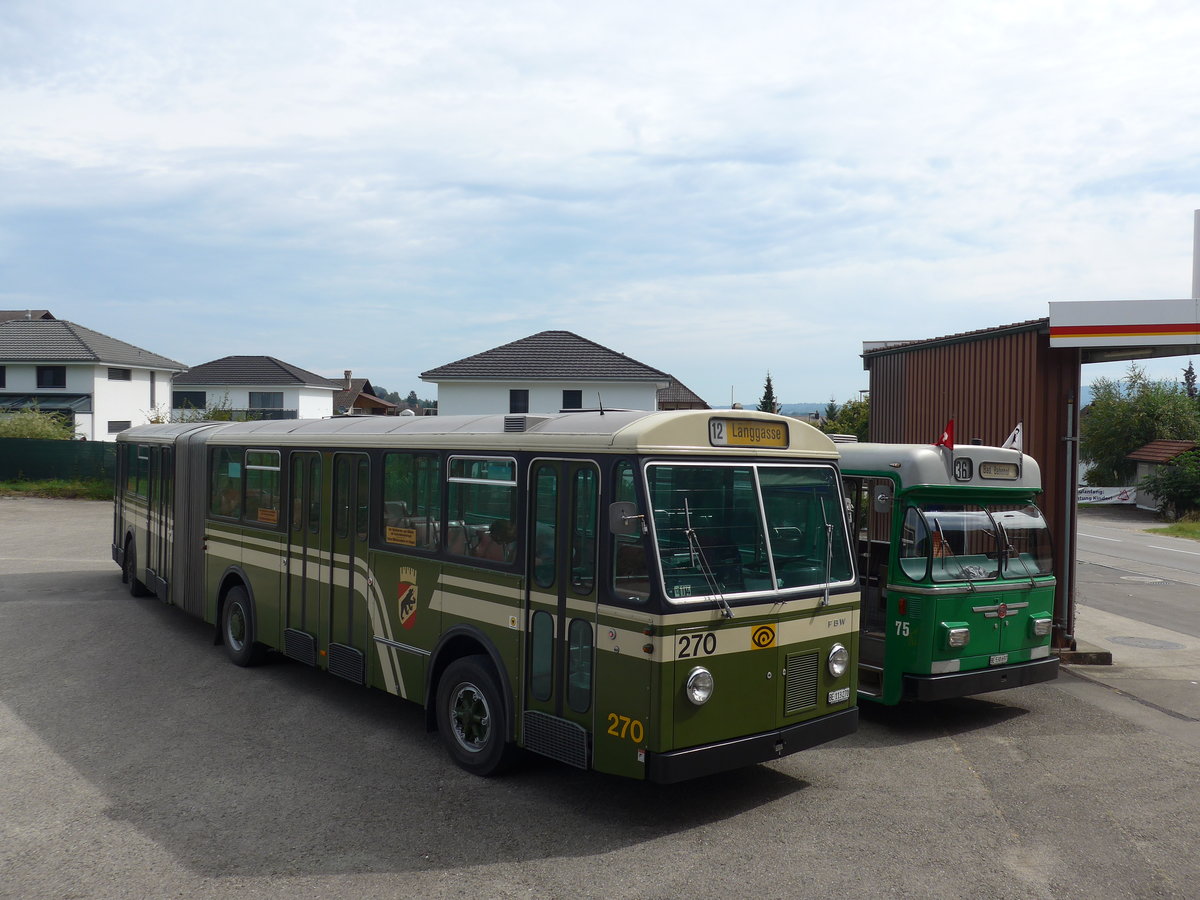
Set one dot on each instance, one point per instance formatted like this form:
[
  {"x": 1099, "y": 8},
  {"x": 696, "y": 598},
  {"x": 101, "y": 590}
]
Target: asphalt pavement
[{"x": 136, "y": 761}]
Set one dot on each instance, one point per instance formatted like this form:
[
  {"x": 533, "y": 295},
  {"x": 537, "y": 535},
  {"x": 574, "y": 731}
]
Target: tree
[
  {"x": 768, "y": 402},
  {"x": 32, "y": 424},
  {"x": 1122, "y": 418},
  {"x": 852, "y": 417},
  {"x": 1189, "y": 381},
  {"x": 832, "y": 409}
]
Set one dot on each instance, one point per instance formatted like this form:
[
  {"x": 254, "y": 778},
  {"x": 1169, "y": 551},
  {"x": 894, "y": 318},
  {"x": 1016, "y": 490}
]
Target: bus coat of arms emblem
[{"x": 407, "y": 593}]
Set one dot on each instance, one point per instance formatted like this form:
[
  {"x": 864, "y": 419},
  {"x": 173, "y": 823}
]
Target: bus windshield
[
  {"x": 742, "y": 529},
  {"x": 965, "y": 542}
]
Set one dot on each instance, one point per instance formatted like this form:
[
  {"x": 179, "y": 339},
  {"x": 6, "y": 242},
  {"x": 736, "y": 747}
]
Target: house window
[
  {"x": 120, "y": 374},
  {"x": 1, "y": 376},
  {"x": 52, "y": 376},
  {"x": 116, "y": 426},
  {"x": 518, "y": 401},
  {"x": 188, "y": 400},
  {"x": 572, "y": 400},
  {"x": 266, "y": 399}
]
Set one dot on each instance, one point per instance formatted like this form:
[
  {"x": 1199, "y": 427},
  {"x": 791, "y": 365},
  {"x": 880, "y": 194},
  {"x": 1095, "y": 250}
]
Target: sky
[{"x": 718, "y": 190}]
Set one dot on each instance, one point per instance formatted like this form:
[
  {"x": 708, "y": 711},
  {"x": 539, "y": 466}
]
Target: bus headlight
[
  {"x": 699, "y": 685},
  {"x": 839, "y": 660},
  {"x": 1041, "y": 627},
  {"x": 958, "y": 637}
]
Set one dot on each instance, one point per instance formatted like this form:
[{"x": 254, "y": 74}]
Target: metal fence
[{"x": 24, "y": 459}]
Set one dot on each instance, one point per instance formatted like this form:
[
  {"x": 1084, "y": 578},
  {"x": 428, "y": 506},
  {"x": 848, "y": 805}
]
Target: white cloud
[{"x": 715, "y": 190}]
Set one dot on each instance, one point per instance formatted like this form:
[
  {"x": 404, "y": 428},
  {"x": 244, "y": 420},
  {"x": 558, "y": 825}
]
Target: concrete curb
[{"x": 1085, "y": 654}]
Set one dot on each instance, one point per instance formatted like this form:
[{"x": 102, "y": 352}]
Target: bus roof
[
  {"x": 634, "y": 431},
  {"x": 924, "y": 465}
]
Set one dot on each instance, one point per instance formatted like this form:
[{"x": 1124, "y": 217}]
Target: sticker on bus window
[
  {"x": 271, "y": 516},
  {"x": 405, "y": 536}
]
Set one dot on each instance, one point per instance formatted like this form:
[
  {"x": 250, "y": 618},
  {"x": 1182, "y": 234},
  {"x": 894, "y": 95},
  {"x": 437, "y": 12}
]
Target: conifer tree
[{"x": 768, "y": 402}]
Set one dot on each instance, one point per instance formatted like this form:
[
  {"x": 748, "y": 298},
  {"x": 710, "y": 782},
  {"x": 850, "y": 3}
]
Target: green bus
[
  {"x": 659, "y": 595},
  {"x": 956, "y": 569}
]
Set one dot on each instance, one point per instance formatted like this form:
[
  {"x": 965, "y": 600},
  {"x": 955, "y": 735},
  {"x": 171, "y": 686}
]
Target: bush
[{"x": 34, "y": 425}]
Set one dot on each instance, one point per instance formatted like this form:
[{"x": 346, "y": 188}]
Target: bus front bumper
[
  {"x": 708, "y": 759},
  {"x": 979, "y": 681}
]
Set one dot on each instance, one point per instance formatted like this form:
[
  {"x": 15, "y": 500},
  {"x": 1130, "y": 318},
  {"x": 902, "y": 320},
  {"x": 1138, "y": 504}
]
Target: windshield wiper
[
  {"x": 828, "y": 552},
  {"x": 697, "y": 553}
]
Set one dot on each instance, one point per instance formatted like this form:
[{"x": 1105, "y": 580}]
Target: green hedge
[{"x": 34, "y": 460}]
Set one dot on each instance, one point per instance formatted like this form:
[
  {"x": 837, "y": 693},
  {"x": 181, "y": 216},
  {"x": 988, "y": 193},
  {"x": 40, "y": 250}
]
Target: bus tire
[
  {"x": 129, "y": 571},
  {"x": 237, "y": 629},
  {"x": 471, "y": 717}
]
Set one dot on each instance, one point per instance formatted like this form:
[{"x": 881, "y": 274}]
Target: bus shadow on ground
[
  {"x": 907, "y": 723},
  {"x": 283, "y": 769}
]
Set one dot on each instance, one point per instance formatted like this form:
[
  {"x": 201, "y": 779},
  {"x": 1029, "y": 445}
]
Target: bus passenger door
[
  {"x": 302, "y": 594},
  {"x": 346, "y": 616},
  {"x": 559, "y": 717}
]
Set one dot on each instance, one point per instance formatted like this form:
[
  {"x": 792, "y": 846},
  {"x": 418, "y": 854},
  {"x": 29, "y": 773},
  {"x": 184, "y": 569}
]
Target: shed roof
[
  {"x": 1161, "y": 451},
  {"x": 60, "y": 341},
  {"x": 547, "y": 355},
  {"x": 253, "y": 370}
]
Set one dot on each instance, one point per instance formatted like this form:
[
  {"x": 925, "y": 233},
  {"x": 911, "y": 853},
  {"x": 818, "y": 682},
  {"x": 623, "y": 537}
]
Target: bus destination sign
[
  {"x": 1008, "y": 471},
  {"x": 747, "y": 433}
]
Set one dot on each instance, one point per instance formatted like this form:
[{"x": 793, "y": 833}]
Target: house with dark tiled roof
[
  {"x": 356, "y": 397},
  {"x": 100, "y": 384},
  {"x": 678, "y": 395},
  {"x": 254, "y": 387},
  {"x": 546, "y": 372}
]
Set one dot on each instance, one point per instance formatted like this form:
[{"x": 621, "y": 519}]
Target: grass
[
  {"x": 59, "y": 489},
  {"x": 1183, "y": 529}
]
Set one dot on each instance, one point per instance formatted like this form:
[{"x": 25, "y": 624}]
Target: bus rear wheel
[
  {"x": 237, "y": 629},
  {"x": 471, "y": 717}
]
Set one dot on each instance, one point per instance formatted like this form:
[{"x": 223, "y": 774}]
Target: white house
[
  {"x": 102, "y": 385},
  {"x": 543, "y": 373},
  {"x": 254, "y": 387}
]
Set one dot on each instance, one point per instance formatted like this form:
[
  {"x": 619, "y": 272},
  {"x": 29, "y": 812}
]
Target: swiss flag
[{"x": 947, "y": 438}]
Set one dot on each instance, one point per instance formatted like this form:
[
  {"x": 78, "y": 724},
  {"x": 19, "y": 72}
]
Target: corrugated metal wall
[{"x": 987, "y": 382}]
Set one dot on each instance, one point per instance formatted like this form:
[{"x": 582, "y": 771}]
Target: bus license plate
[
  {"x": 841, "y": 695},
  {"x": 998, "y": 660}
]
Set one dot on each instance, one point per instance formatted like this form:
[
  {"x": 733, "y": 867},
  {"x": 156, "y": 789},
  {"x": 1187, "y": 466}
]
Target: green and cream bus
[
  {"x": 955, "y": 564},
  {"x": 660, "y": 595}
]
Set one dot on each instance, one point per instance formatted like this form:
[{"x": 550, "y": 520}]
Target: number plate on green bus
[
  {"x": 998, "y": 659},
  {"x": 841, "y": 695},
  {"x": 747, "y": 433}
]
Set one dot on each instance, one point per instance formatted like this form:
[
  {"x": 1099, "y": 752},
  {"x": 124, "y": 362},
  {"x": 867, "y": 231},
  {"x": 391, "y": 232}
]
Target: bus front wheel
[
  {"x": 129, "y": 571},
  {"x": 237, "y": 629},
  {"x": 470, "y": 717}
]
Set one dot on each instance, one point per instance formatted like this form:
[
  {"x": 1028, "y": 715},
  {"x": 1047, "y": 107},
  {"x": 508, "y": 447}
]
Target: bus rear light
[
  {"x": 958, "y": 637},
  {"x": 1040, "y": 627}
]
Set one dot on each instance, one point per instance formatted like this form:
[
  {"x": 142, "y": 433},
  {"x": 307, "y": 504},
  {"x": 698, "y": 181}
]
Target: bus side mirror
[
  {"x": 623, "y": 518},
  {"x": 881, "y": 498}
]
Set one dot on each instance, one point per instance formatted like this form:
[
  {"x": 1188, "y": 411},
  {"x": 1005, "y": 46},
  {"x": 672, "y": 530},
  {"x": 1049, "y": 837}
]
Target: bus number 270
[{"x": 625, "y": 728}]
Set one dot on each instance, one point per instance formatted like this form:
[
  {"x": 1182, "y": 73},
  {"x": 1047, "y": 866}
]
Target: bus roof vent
[
  {"x": 843, "y": 438},
  {"x": 516, "y": 424}
]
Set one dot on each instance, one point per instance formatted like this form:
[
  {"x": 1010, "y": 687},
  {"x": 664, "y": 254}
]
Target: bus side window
[
  {"x": 630, "y": 574},
  {"x": 225, "y": 485},
  {"x": 412, "y": 501}
]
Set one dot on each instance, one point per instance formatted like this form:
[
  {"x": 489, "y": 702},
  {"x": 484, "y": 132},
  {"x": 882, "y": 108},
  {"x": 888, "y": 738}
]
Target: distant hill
[{"x": 802, "y": 409}]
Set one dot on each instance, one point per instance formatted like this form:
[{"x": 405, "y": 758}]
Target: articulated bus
[
  {"x": 955, "y": 565},
  {"x": 659, "y": 595}
]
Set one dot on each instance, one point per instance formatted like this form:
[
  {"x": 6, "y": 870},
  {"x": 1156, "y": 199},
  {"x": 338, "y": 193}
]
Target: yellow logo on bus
[{"x": 762, "y": 637}]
